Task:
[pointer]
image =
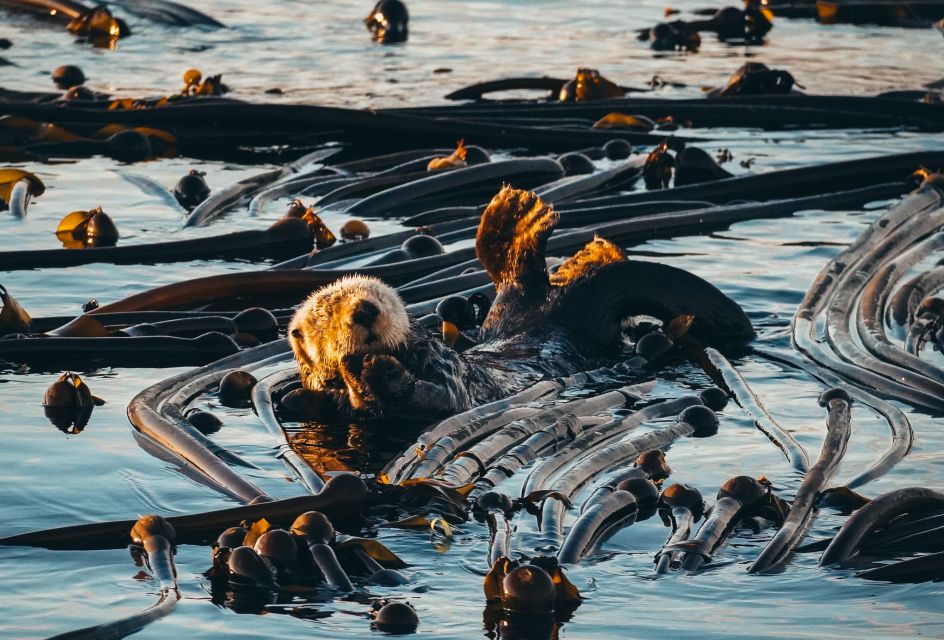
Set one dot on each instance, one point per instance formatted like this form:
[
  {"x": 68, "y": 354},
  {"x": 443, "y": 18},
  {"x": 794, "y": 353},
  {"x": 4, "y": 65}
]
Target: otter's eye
[{"x": 297, "y": 334}]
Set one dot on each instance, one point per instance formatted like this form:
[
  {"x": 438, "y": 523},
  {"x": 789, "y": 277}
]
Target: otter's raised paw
[{"x": 385, "y": 377}]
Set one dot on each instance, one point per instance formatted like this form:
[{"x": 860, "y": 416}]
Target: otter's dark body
[
  {"x": 447, "y": 381},
  {"x": 538, "y": 326}
]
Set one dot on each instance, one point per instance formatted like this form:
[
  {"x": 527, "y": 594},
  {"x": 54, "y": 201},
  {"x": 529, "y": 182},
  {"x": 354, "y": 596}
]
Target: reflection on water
[{"x": 320, "y": 52}]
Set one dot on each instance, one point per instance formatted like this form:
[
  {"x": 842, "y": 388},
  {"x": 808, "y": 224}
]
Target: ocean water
[{"x": 320, "y": 53}]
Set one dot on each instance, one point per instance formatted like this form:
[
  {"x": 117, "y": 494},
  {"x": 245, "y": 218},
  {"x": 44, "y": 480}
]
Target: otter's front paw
[
  {"x": 318, "y": 405},
  {"x": 385, "y": 377},
  {"x": 351, "y": 369}
]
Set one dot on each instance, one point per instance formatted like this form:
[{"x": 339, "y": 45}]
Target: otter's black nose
[{"x": 365, "y": 313}]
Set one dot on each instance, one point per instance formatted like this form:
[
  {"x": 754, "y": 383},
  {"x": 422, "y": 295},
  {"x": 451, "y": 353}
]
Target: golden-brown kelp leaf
[
  {"x": 624, "y": 121},
  {"x": 679, "y": 326},
  {"x": 121, "y": 103},
  {"x": 13, "y": 317},
  {"x": 450, "y": 333},
  {"x": 420, "y": 523},
  {"x": 919, "y": 176},
  {"x": 81, "y": 327},
  {"x": 111, "y": 129},
  {"x": 595, "y": 254},
  {"x": 374, "y": 549},
  {"x": 496, "y": 576},
  {"x": 590, "y": 85},
  {"x": 192, "y": 77},
  {"x": 464, "y": 489},
  {"x": 258, "y": 527},
  {"x": 324, "y": 237},
  {"x": 93, "y": 228},
  {"x": 71, "y": 229},
  {"x": 9, "y": 178},
  {"x": 441, "y": 526},
  {"x": 73, "y": 222},
  {"x": 54, "y": 133},
  {"x": 18, "y": 123},
  {"x": 165, "y": 136},
  {"x": 196, "y": 85},
  {"x": 33, "y": 130},
  {"x": 108, "y": 131},
  {"x": 457, "y": 159},
  {"x": 567, "y": 593},
  {"x": 212, "y": 86}
]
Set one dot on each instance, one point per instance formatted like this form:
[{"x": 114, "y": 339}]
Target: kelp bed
[{"x": 535, "y": 476}]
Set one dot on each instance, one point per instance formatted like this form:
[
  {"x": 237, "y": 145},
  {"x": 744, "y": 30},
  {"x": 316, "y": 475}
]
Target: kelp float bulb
[
  {"x": 528, "y": 589},
  {"x": 701, "y": 418},
  {"x": 355, "y": 230},
  {"x": 389, "y": 22},
  {"x": 235, "y": 388},
  {"x": 617, "y": 149},
  {"x": 129, "y": 146},
  {"x": 652, "y": 345},
  {"x": 93, "y": 228},
  {"x": 67, "y": 76},
  {"x": 314, "y": 526},
  {"x": 714, "y": 398},
  {"x": 683, "y": 495},
  {"x": 248, "y": 567},
  {"x": 279, "y": 548},
  {"x": 396, "y": 617},
  {"x": 258, "y": 322},
  {"x": 576, "y": 164},
  {"x": 192, "y": 189},
  {"x": 422, "y": 246},
  {"x": 68, "y": 403},
  {"x": 204, "y": 421}
]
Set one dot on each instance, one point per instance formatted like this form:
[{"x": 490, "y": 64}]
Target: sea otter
[{"x": 357, "y": 347}]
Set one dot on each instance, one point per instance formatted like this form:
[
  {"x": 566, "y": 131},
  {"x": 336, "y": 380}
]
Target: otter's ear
[
  {"x": 597, "y": 253},
  {"x": 297, "y": 334}
]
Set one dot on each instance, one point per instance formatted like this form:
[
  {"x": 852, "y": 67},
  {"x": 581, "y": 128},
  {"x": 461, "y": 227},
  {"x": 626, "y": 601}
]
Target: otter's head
[{"x": 352, "y": 316}]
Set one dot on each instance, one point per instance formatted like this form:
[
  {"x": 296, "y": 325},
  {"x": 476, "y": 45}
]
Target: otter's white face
[{"x": 352, "y": 316}]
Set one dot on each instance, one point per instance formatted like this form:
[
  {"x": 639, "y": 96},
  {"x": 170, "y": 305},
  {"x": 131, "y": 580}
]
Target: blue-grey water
[{"x": 319, "y": 52}]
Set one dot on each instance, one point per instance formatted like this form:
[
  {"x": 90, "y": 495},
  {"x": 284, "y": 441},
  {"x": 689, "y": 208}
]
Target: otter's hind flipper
[
  {"x": 597, "y": 253},
  {"x": 595, "y": 305},
  {"x": 512, "y": 237}
]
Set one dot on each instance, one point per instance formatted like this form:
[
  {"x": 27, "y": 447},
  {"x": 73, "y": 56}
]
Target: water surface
[{"x": 320, "y": 53}]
